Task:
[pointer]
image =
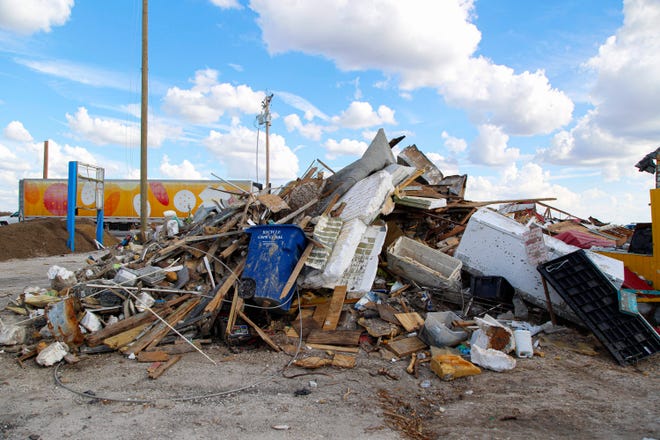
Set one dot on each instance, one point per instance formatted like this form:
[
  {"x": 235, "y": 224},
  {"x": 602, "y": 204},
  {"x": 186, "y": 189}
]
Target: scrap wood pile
[{"x": 360, "y": 260}]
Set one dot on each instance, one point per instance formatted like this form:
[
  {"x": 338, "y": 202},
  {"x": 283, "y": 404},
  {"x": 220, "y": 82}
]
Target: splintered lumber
[
  {"x": 404, "y": 347},
  {"x": 272, "y": 202},
  {"x": 262, "y": 334},
  {"x": 410, "y": 321},
  {"x": 126, "y": 337},
  {"x": 304, "y": 326},
  {"x": 96, "y": 338},
  {"x": 236, "y": 304},
  {"x": 153, "y": 356},
  {"x": 216, "y": 302},
  {"x": 387, "y": 313},
  {"x": 160, "y": 330},
  {"x": 334, "y": 337},
  {"x": 179, "y": 348},
  {"x": 159, "y": 368},
  {"x": 333, "y": 348},
  {"x": 320, "y": 312},
  {"x": 334, "y": 310},
  {"x": 296, "y": 270}
]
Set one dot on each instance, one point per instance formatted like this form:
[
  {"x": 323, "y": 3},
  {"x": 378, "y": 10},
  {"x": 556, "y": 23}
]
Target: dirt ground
[
  {"x": 576, "y": 390},
  {"x": 47, "y": 237}
]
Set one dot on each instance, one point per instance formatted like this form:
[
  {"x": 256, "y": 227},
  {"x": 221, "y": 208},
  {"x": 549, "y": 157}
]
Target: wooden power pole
[{"x": 144, "y": 123}]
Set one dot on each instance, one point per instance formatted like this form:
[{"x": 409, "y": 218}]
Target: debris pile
[{"x": 384, "y": 254}]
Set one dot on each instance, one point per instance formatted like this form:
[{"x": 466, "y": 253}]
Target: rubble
[{"x": 384, "y": 255}]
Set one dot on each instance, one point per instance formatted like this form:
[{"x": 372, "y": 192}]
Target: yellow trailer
[
  {"x": 48, "y": 198},
  {"x": 645, "y": 265}
]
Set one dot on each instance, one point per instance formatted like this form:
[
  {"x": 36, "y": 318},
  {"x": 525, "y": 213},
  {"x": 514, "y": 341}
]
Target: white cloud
[
  {"x": 17, "y": 132},
  {"x": 624, "y": 124},
  {"x": 102, "y": 131},
  {"x": 490, "y": 147},
  {"x": 345, "y": 147},
  {"x": 184, "y": 170},
  {"x": 236, "y": 150},
  {"x": 426, "y": 43},
  {"x": 83, "y": 74},
  {"x": 227, "y": 4},
  {"x": 310, "y": 131},
  {"x": 6, "y": 156},
  {"x": 619, "y": 205},
  {"x": 30, "y": 16},
  {"x": 236, "y": 67},
  {"x": 360, "y": 114},
  {"x": 300, "y": 103},
  {"x": 627, "y": 90},
  {"x": 208, "y": 100},
  {"x": 447, "y": 166},
  {"x": 453, "y": 144}
]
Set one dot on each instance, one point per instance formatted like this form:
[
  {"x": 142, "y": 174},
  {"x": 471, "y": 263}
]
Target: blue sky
[{"x": 530, "y": 99}]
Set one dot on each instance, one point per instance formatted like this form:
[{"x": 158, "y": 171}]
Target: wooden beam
[
  {"x": 216, "y": 302},
  {"x": 157, "y": 370},
  {"x": 334, "y": 337},
  {"x": 334, "y": 310},
  {"x": 262, "y": 334}
]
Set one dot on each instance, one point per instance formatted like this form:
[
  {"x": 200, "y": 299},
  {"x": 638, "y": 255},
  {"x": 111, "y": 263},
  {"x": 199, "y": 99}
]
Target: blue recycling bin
[{"x": 273, "y": 252}]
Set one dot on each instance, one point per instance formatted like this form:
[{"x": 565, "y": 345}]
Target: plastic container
[
  {"x": 273, "y": 252},
  {"x": 424, "y": 265},
  {"x": 493, "y": 288},
  {"x": 524, "y": 347},
  {"x": 438, "y": 331},
  {"x": 593, "y": 297}
]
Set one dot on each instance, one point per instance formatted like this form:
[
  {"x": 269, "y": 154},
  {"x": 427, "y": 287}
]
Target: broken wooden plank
[
  {"x": 236, "y": 304},
  {"x": 157, "y": 371},
  {"x": 178, "y": 348},
  {"x": 262, "y": 334},
  {"x": 120, "y": 340},
  {"x": 296, "y": 271},
  {"x": 97, "y": 337},
  {"x": 307, "y": 325},
  {"x": 216, "y": 302},
  {"x": 160, "y": 330},
  {"x": 406, "y": 346},
  {"x": 307, "y": 205},
  {"x": 273, "y": 202},
  {"x": 320, "y": 312},
  {"x": 328, "y": 347},
  {"x": 334, "y": 309},
  {"x": 410, "y": 321},
  {"x": 153, "y": 356},
  {"x": 387, "y": 313},
  {"x": 334, "y": 337}
]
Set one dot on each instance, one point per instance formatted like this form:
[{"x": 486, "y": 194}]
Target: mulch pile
[{"x": 47, "y": 237}]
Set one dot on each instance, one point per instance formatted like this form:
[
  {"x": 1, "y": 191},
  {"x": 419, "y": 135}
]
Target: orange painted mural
[{"x": 121, "y": 198}]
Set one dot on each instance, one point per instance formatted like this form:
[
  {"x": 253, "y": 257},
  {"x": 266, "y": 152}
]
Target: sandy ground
[{"x": 565, "y": 394}]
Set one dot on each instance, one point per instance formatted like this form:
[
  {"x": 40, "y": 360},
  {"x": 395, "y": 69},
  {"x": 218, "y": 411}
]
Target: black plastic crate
[
  {"x": 594, "y": 299},
  {"x": 492, "y": 288}
]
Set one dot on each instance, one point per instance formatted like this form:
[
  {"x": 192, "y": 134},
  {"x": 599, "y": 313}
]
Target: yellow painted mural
[{"x": 121, "y": 198}]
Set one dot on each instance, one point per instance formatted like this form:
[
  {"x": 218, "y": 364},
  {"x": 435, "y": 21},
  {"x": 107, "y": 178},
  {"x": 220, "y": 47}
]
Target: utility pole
[
  {"x": 46, "y": 159},
  {"x": 144, "y": 123},
  {"x": 265, "y": 119}
]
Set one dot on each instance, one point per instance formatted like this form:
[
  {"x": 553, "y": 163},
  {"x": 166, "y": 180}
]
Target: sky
[{"x": 529, "y": 99}]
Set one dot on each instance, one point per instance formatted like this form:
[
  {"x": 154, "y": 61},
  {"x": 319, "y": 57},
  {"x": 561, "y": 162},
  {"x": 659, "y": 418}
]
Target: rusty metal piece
[{"x": 63, "y": 321}]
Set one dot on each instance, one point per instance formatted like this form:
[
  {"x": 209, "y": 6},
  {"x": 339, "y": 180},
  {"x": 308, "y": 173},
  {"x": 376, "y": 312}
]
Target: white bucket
[{"x": 524, "y": 347}]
